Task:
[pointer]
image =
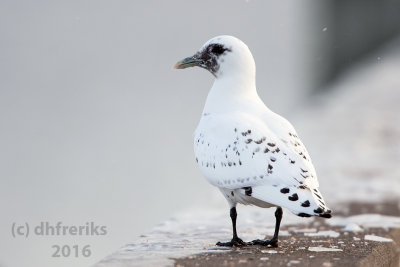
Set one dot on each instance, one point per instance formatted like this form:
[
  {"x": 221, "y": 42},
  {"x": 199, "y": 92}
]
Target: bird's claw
[
  {"x": 265, "y": 243},
  {"x": 235, "y": 242}
]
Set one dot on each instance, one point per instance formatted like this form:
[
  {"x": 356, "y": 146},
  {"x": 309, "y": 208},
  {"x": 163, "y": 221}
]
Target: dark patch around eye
[
  {"x": 217, "y": 49},
  {"x": 209, "y": 57}
]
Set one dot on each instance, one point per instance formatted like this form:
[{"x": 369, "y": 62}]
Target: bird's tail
[{"x": 302, "y": 201}]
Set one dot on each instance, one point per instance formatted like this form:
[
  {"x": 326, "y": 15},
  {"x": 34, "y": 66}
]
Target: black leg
[
  {"x": 236, "y": 241},
  {"x": 233, "y": 215},
  {"x": 274, "y": 241}
]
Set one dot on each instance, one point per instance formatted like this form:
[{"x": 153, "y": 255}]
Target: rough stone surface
[{"x": 294, "y": 249}]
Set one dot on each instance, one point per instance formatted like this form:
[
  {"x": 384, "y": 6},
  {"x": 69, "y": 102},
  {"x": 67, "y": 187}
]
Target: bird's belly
[{"x": 239, "y": 196}]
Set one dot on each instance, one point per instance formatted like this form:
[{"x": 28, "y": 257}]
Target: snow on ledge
[
  {"x": 329, "y": 233},
  {"x": 377, "y": 238},
  {"x": 323, "y": 249}
]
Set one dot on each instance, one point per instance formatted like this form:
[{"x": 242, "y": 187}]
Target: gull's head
[{"x": 223, "y": 56}]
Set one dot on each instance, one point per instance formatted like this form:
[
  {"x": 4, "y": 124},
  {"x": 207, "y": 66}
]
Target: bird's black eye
[{"x": 217, "y": 49}]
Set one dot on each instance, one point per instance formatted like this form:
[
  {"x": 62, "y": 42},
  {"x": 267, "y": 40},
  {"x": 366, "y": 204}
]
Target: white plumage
[{"x": 253, "y": 155}]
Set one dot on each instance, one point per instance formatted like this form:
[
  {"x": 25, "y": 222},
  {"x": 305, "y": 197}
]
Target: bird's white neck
[{"x": 231, "y": 93}]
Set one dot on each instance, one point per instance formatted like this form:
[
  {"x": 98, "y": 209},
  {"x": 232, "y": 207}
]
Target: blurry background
[{"x": 96, "y": 126}]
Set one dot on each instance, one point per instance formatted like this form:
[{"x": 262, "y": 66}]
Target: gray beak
[{"x": 187, "y": 62}]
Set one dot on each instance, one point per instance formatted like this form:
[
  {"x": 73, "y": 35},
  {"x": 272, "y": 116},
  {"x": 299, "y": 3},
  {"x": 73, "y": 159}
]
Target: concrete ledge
[
  {"x": 384, "y": 254},
  {"x": 315, "y": 242},
  {"x": 295, "y": 251},
  {"x": 305, "y": 249}
]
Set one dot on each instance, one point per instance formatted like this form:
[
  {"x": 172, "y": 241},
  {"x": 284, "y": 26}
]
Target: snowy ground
[{"x": 352, "y": 132}]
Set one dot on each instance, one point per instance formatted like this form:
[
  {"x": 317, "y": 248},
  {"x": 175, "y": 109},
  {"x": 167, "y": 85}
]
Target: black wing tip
[
  {"x": 303, "y": 214},
  {"x": 327, "y": 214}
]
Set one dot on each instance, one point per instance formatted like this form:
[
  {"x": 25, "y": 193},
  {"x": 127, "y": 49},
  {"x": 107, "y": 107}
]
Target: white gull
[{"x": 253, "y": 155}]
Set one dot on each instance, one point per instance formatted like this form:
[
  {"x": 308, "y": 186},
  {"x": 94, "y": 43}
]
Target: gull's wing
[{"x": 238, "y": 150}]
